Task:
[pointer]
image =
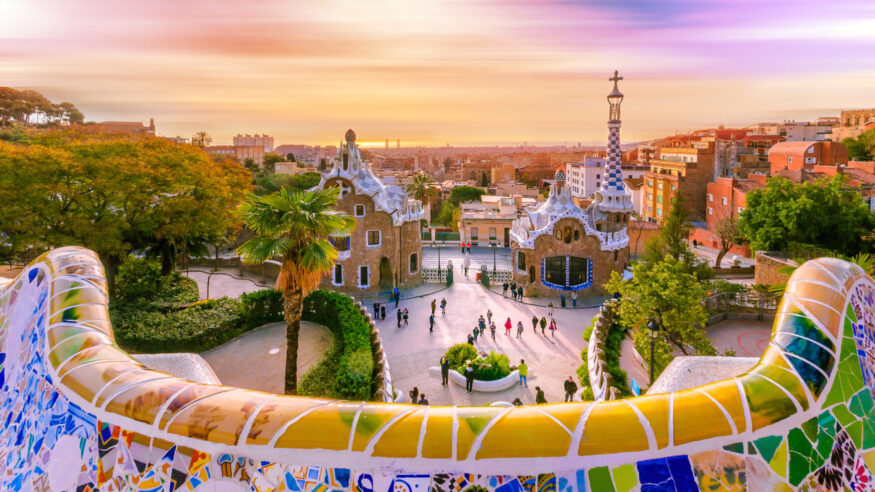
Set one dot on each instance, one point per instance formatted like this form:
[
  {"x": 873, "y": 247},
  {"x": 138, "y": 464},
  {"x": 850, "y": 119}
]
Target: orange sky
[{"x": 430, "y": 71}]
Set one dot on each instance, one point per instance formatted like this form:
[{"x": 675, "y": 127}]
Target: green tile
[
  {"x": 625, "y": 477},
  {"x": 600, "y": 479},
  {"x": 809, "y": 427},
  {"x": 844, "y": 416},
  {"x": 767, "y": 446},
  {"x": 855, "y": 430},
  {"x": 801, "y": 452},
  {"x": 849, "y": 378},
  {"x": 751, "y": 449},
  {"x": 737, "y": 447}
]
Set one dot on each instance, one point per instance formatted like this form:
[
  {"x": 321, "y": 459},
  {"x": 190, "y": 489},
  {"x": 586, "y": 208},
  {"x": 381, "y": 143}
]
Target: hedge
[
  {"x": 149, "y": 327},
  {"x": 351, "y": 359},
  {"x": 492, "y": 367}
]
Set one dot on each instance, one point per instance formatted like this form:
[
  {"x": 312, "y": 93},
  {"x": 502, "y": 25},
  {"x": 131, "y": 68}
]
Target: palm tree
[
  {"x": 294, "y": 227},
  {"x": 422, "y": 188},
  {"x": 201, "y": 139}
]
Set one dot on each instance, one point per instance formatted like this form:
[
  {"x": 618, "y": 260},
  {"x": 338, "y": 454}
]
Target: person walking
[
  {"x": 543, "y": 325},
  {"x": 492, "y": 330},
  {"x": 570, "y": 389},
  {"x": 513, "y": 290},
  {"x": 445, "y": 370},
  {"x": 431, "y": 323},
  {"x": 433, "y": 306},
  {"x": 539, "y": 396},
  {"x": 534, "y": 324},
  {"x": 463, "y": 247},
  {"x": 553, "y": 327},
  {"x": 519, "y": 293},
  {"x": 469, "y": 377},
  {"x": 382, "y": 311},
  {"x": 489, "y": 316},
  {"x": 414, "y": 394},
  {"x": 481, "y": 323},
  {"x": 376, "y": 310},
  {"x": 397, "y": 294},
  {"x": 504, "y": 289},
  {"x": 400, "y": 315},
  {"x": 406, "y": 317},
  {"x": 469, "y": 248},
  {"x": 422, "y": 400},
  {"x": 519, "y": 329},
  {"x": 507, "y": 326},
  {"x": 550, "y": 309},
  {"x": 574, "y": 300},
  {"x": 476, "y": 333},
  {"x": 443, "y": 306},
  {"x": 524, "y": 373}
]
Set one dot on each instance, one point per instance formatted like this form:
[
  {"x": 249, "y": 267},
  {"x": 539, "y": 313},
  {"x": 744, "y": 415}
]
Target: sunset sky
[{"x": 431, "y": 72}]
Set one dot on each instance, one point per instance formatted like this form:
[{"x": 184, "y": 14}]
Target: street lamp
[
  {"x": 494, "y": 247},
  {"x": 435, "y": 245},
  {"x": 654, "y": 327}
]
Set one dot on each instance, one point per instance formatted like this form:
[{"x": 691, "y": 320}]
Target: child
[{"x": 443, "y": 306}]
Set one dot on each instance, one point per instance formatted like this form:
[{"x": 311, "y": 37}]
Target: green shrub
[
  {"x": 319, "y": 380},
  {"x": 140, "y": 279},
  {"x": 493, "y": 366},
  {"x": 458, "y": 354},
  {"x": 587, "y": 395},
  {"x": 261, "y": 307}
]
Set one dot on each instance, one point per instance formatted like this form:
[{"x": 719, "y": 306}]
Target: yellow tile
[
  {"x": 656, "y": 409},
  {"x": 612, "y": 427},
  {"x": 401, "y": 439},
  {"x": 275, "y": 413},
  {"x": 541, "y": 434},
  {"x": 219, "y": 418},
  {"x": 438, "y": 441},
  {"x": 696, "y": 417},
  {"x": 326, "y": 427},
  {"x": 472, "y": 421},
  {"x": 726, "y": 393},
  {"x": 371, "y": 419}
]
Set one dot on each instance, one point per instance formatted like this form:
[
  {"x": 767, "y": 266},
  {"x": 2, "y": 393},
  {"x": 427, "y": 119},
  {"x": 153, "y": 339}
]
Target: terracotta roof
[
  {"x": 790, "y": 148},
  {"x": 634, "y": 182},
  {"x": 859, "y": 175},
  {"x": 746, "y": 185},
  {"x": 765, "y": 137}
]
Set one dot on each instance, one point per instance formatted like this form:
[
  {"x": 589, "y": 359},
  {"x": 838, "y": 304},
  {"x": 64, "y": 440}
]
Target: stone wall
[
  {"x": 600, "y": 380},
  {"x": 603, "y": 262},
  {"x": 766, "y": 265}
]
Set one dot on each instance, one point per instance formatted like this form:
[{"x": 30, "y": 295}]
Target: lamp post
[
  {"x": 435, "y": 245},
  {"x": 654, "y": 327},
  {"x": 494, "y": 247}
]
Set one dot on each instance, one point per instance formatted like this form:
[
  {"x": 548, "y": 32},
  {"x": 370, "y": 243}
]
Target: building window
[
  {"x": 566, "y": 272},
  {"x": 710, "y": 211},
  {"x": 723, "y": 200},
  {"x": 650, "y": 196},
  {"x": 492, "y": 234},
  {"x": 576, "y": 235},
  {"x": 710, "y": 197},
  {"x": 364, "y": 276},
  {"x": 598, "y": 176},
  {"x": 650, "y": 183},
  {"x": 811, "y": 149},
  {"x": 474, "y": 234},
  {"x": 672, "y": 187},
  {"x": 811, "y": 160},
  {"x": 521, "y": 261},
  {"x": 374, "y": 238},
  {"x": 658, "y": 186},
  {"x": 615, "y": 255},
  {"x": 414, "y": 263},
  {"x": 340, "y": 243},
  {"x": 659, "y": 199},
  {"x": 789, "y": 160},
  {"x": 649, "y": 209},
  {"x": 359, "y": 210},
  {"x": 337, "y": 277},
  {"x": 659, "y": 212}
]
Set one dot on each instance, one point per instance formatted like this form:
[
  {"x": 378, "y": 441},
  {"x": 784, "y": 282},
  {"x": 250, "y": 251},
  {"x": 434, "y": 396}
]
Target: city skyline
[{"x": 465, "y": 73}]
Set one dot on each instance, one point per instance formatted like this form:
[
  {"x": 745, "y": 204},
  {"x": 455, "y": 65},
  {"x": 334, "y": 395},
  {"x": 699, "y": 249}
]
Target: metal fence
[{"x": 749, "y": 303}]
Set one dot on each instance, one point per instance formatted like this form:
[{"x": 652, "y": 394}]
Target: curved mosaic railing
[
  {"x": 80, "y": 414},
  {"x": 600, "y": 380}
]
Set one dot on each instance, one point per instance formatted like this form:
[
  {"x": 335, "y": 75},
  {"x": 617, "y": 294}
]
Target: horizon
[{"x": 476, "y": 73}]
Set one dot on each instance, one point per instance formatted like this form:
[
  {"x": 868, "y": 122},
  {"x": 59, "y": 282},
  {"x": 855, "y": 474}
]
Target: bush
[
  {"x": 319, "y": 380},
  {"x": 354, "y": 371},
  {"x": 140, "y": 279},
  {"x": 261, "y": 307},
  {"x": 458, "y": 354},
  {"x": 493, "y": 366}
]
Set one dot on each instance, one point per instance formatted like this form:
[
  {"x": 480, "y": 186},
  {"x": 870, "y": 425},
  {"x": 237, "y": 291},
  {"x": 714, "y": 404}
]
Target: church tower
[{"x": 612, "y": 205}]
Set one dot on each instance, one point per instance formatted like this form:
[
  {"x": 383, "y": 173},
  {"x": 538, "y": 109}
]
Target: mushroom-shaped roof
[
  {"x": 560, "y": 175},
  {"x": 350, "y": 135}
]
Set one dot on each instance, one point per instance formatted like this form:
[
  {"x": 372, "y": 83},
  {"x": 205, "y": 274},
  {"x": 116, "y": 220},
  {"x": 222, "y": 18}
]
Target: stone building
[
  {"x": 560, "y": 247},
  {"x": 385, "y": 248}
]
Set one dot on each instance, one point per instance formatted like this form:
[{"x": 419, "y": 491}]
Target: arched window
[
  {"x": 532, "y": 274},
  {"x": 521, "y": 261},
  {"x": 566, "y": 272},
  {"x": 577, "y": 235}
]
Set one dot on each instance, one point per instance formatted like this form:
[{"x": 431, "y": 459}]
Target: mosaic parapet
[{"x": 81, "y": 414}]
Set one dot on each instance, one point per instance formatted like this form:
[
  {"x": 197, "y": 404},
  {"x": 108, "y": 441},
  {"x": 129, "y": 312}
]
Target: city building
[
  {"x": 385, "y": 249},
  {"x": 490, "y": 220},
  {"x": 559, "y": 247},
  {"x": 241, "y": 153},
  {"x": 308, "y": 154},
  {"x": 287, "y": 167},
  {"x": 264, "y": 141},
  {"x": 130, "y": 127},
  {"x": 797, "y": 131},
  {"x": 502, "y": 173},
  {"x": 725, "y": 200},
  {"x": 806, "y": 155},
  {"x": 513, "y": 189},
  {"x": 585, "y": 178},
  {"x": 683, "y": 169},
  {"x": 852, "y": 123}
]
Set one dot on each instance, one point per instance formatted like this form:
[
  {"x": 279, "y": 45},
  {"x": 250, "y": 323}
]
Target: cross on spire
[{"x": 616, "y": 78}]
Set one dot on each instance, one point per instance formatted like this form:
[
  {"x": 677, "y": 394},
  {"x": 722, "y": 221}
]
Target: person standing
[
  {"x": 476, "y": 332},
  {"x": 382, "y": 311},
  {"x": 406, "y": 317},
  {"x": 534, "y": 324},
  {"x": 550, "y": 309},
  {"x": 445, "y": 370},
  {"x": 443, "y": 306},
  {"x": 492, "y": 330},
  {"x": 574, "y": 300},
  {"x": 431, "y": 323},
  {"x": 376, "y": 310},
  {"x": 433, "y": 306},
  {"x": 414, "y": 395},
  {"x": 489, "y": 316},
  {"x": 695, "y": 244},
  {"x": 507, "y": 326},
  {"x": 519, "y": 293},
  {"x": 400, "y": 315},
  {"x": 422, "y": 400},
  {"x": 469, "y": 378},
  {"x": 397, "y": 294},
  {"x": 469, "y": 248},
  {"x": 539, "y": 396},
  {"x": 543, "y": 324},
  {"x": 519, "y": 329},
  {"x": 471, "y": 339},
  {"x": 481, "y": 323},
  {"x": 504, "y": 289},
  {"x": 524, "y": 373},
  {"x": 553, "y": 327},
  {"x": 513, "y": 290},
  {"x": 570, "y": 389},
  {"x": 463, "y": 248}
]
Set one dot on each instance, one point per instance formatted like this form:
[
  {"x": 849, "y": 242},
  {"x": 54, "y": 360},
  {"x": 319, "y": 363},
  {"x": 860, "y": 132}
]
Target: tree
[
  {"x": 422, "y": 188},
  {"x": 484, "y": 179},
  {"x": 463, "y": 194},
  {"x": 672, "y": 240},
  {"x": 271, "y": 183},
  {"x": 249, "y": 163},
  {"x": 295, "y": 227},
  {"x": 270, "y": 160},
  {"x": 114, "y": 194},
  {"x": 322, "y": 165},
  {"x": 825, "y": 213},
  {"x": 290, "y": 157},
  {"x": 28, "y": 107},
  {"x": 861, "y": 148},
  {"x": 201, "y": 139},
  {"x": 727, "y": 231},
  {"x": 447, "y": 214},
  {"x": 666, "y": 292}
]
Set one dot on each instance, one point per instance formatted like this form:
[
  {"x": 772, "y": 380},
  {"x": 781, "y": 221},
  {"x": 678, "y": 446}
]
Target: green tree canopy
[
  {"x": 667, "y": 292},
  {"x": 861, "y": 148},
  {"x": 673, "y": 240},
  {"x": 825, "y": 213},
  {"x": 422, "y": 188},
  {"x": 29, "y": 107},
  {"x": 462, "y": 194}
]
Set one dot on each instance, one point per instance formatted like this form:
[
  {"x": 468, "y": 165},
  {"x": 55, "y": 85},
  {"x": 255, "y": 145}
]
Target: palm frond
[
  {"x": 260, "y": 249},
  {"x": 318, "y": 255}
]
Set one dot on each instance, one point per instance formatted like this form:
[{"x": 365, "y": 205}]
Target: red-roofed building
[{"x": 805, "y": 155}]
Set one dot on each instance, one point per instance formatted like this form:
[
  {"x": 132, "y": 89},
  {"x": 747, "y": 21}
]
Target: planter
[{"x": 482, "y": 386}]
